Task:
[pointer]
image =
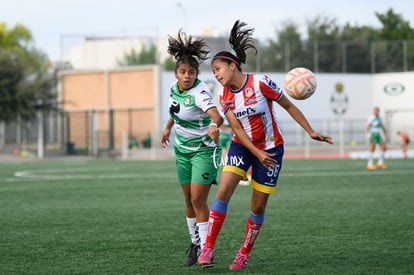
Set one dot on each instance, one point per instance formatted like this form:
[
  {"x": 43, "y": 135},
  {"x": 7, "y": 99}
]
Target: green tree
[
  {"x": 357, "y": 44},
  {"x": 145, "y": 56},
  {"x": 323, "y": 33},
  {"x": 26, "y": 80},
  {"x": 394, "y": 27},
  {"x": 332, "y": 48},
  {"x": 169, "y": 64},
  {"x": 283, "y": 52},
  {"x": 17, "y": 37},
  {"x": 394, "y": 34}
]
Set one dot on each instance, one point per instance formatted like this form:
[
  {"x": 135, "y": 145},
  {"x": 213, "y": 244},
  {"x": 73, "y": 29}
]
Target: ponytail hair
[
  {"x": 187, "y": 50},
  {"x": 240, "y": 41}
]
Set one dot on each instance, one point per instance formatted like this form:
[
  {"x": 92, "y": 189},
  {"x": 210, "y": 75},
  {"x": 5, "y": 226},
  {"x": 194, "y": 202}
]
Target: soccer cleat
[
  {"x": 382, "y": 166},
  {"x": 206, "y": 258},
  {"x": 371, "y": 167},
  {"x": 240, "y": 262},
  {"x": 192, "y": 254}
]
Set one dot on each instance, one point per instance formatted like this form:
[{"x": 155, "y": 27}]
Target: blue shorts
[{"x": 239, "y": 159}]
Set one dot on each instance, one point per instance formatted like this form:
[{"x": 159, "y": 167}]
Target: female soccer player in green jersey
[
  {"x": 196, "y": 120},
  {"x": 374, "y": 127}
]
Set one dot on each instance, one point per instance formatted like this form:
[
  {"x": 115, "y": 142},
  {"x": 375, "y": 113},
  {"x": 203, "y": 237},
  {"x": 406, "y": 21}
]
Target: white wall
[{"x": 394, "y": 94}]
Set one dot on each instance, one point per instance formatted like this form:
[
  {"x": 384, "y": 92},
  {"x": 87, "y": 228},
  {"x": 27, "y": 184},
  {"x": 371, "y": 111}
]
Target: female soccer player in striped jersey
[
  {"x": 247, "y": 102},
  {"x": 196, "y": 120}
]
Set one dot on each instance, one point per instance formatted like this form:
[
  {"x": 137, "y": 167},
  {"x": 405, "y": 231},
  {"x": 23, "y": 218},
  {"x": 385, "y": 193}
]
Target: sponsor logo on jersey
[
  {"x": 247, "y": 112},
  {"x": 175, "y": 107},
  {"x": 270, "y": 83},
  {"x": 225, "y": 105},
  {"x": 250, "y": 101}
]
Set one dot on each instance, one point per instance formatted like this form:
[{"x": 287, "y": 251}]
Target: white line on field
[{"x": 90, "y": 173}]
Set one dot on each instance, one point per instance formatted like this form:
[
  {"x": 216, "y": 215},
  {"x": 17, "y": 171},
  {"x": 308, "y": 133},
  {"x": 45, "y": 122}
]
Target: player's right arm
[
  {"x": 368, "y": 130},
  {"x": 165, "y": 138},
  {"x": 385, "y": 132}
]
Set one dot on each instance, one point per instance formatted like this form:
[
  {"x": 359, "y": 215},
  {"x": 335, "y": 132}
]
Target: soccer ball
[{"x": 300, "y": 83}]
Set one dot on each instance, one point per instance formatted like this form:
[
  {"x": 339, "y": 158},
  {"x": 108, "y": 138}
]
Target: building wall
[{"x": 110, "y": 102}]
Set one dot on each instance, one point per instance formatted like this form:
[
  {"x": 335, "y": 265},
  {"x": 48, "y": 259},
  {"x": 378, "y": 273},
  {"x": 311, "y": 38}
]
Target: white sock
[
  {"x": 193, "y": 230},
  {"x": 371, "y": 159},
  {"x": 202, "y": 231},
  {"x": 381, "y": 159}
]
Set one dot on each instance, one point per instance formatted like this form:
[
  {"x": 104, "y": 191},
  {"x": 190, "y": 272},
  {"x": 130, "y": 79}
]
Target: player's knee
[{"x": 198, "y": 202}]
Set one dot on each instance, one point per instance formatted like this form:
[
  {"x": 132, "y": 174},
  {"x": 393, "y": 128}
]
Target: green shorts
[
  {"x": 199, "y": 166},
  {"x": 225, "y": 139},
  {"x": 376, "y": 138}
]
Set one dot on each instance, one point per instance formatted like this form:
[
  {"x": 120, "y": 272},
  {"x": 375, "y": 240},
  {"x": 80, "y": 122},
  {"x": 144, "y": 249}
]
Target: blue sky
[{"x": 50, "y": 20}]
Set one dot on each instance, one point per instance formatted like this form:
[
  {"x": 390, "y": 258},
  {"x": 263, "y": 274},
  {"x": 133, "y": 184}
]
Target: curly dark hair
[
  {"x": 240, "y": 41},
  {"x": 187, "y": 50}
]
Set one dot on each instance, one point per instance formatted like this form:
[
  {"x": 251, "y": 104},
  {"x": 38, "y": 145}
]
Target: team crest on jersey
[
  {"x": 249, "y": 96},
  {"x": 187, "y": 100},
  {"x": 248, "y": 92}
]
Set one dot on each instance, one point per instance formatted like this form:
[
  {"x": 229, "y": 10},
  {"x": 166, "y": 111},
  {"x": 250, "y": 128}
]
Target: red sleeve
[
  {"x": 270, "y": 89},
  {"x": 226, "y": 103}
]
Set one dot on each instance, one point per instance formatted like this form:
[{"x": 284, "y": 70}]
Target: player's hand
[
  {"x": 319, "y": 137},
  {"x": 214, "y": 133},
  {"x": 368, "y": 136},
  {"x": 165, "y": 138},
  {"x": 266, "y": 159}
]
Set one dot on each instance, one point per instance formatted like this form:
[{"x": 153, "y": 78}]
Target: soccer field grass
[{"x": 127, "y": 217}]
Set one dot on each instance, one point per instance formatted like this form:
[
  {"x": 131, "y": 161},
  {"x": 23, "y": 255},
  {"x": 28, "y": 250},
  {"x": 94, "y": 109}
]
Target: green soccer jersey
[
  {"x": 188, "y": 109},
  {"x": 376, "y": 124}
]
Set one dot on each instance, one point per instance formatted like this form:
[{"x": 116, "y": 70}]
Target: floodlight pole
[{"x": 40, "y": 135}]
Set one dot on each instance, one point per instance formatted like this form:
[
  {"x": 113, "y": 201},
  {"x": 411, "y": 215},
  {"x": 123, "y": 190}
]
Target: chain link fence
[{"x": 334, "y": 56}]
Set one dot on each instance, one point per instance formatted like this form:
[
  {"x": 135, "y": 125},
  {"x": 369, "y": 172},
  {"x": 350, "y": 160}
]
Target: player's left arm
[
  {"x": 264, "y": 157},
  {"x": 165, "y": 137},
  {"x": 205, "y": 102},
  {"x": 217, "y": 121},
  {"x": 385, "y": 132},
  {"x": 298, "y": 116}
]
